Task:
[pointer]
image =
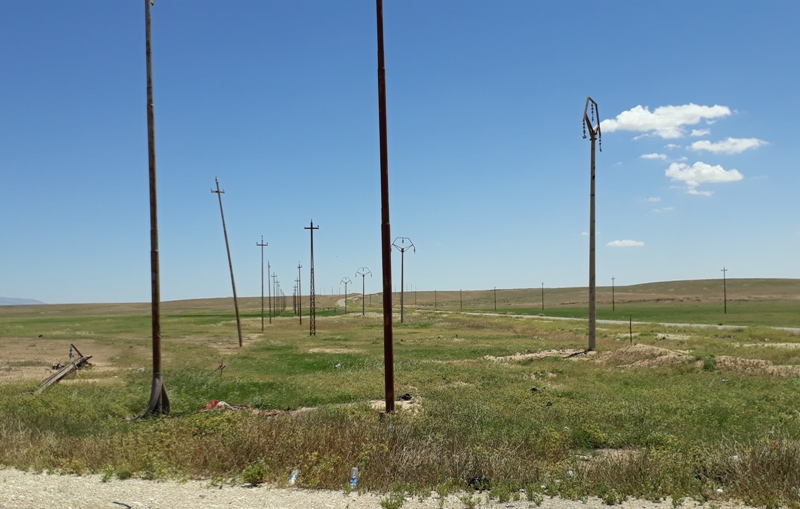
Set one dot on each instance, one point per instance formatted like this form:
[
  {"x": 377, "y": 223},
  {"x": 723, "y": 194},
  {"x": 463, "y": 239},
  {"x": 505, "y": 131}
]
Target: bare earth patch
[
  {"x": 756, "y": 366},
  {"x": 643, "y": 356},
  {"x": 333, "y": 350},
  {"x": 521, "y": 356}
]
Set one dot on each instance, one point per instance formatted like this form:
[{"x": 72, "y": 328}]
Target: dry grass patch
[
  {"x": 756, "y": 366},
  {"x": 522, "y": 356},
  {"x": 643, "y": 356}
]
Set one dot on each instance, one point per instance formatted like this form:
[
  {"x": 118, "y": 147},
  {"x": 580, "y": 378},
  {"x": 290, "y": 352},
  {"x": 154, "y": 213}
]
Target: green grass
[{"x": 625, "y": 422}]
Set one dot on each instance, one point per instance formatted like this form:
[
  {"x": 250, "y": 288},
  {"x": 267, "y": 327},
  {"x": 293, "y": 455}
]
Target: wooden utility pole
[
  {"x": 159, "y": 401},
  {"x": 219, "y": 194},
  {"x": 724, "y": 290},
  {"x": 312, "y": 309}
]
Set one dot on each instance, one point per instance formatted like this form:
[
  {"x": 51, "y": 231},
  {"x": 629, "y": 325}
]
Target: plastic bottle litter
[
  {"x": 354, "y": 478},
  {"x": 293, "y": 476}
]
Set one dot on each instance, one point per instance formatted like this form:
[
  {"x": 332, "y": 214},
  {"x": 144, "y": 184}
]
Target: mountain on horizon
[{"x": 10, "y": 301}]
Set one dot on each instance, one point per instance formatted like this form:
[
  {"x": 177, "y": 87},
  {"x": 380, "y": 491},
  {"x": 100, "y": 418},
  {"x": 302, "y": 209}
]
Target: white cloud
[
  {"x": 663, "y": 209},
  {"x": 625, "y": 243},
  {"x": 728, "y": 145},
  {"x": 665, "y": 121},
  {"x": 700, "y": 132},
  {"x": 672, "y": 146},
  {"x": 653, "y": 199},
  {"x": 654, "y": 156},
  {"x": 701, "y": 173}
]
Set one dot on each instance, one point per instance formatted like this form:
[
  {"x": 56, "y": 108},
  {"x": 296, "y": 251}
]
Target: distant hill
[{"x": 10, "y": 301}]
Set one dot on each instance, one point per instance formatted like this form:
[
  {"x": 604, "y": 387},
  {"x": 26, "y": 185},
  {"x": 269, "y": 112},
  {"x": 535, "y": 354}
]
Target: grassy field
[{"x": 658, "y": 411}]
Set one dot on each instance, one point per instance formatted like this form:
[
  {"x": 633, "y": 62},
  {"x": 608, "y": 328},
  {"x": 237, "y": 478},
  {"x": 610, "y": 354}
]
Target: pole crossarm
[{"x": 590, "y": 111}]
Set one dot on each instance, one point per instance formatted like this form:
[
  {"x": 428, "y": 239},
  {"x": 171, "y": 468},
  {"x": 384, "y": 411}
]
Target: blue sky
[{"x": 489, "y": 173}]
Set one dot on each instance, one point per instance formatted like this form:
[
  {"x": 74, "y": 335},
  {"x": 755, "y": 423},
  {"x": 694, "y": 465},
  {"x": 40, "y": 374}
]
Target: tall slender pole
[
  {"x": 269, "y": 291},
  {"x": 363, "y": 271},
  {"x": 613, "y": 305},
  {"x": 346, "y": 280},
  {"x": 299, "y": 293},
  {"x": 386, "y": 235},
  {"x": 542, "y": 296},
  {"x": 495, "y": 298},
  {"x": 594, "y": 133},
  {"x": 402, "y": 247},
  {"x": 461, "y": 300},
  {"x": 275, "y": 294},
  {"x": 219, "y": 194},
  {"x": 159, "y": 401},
  {"x": 724, "y": 290},
  {"x": 312, "y": 308},
  {"x": 262, "y": 245}
]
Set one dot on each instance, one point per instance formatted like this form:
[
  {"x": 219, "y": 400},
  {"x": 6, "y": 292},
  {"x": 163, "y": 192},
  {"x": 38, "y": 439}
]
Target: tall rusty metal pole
[
  {"x": 262, "y": 245},
  {"x": 219, "y": 194},
  {"x": 386, "y": 235},
  {"x": 589, "y": 112},
  {"x": 159, "y": 401}
]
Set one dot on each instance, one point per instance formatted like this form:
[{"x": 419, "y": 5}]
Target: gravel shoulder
[{"x": 23, "y": 490}]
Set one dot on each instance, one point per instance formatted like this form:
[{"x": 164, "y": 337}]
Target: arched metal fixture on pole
[
  {"x": 219, "y": 194},
  {"x": 386, "y": 235},
  {"x": 345, "y": 281},
  {"x": 404, "y": 245},
  {"x": 363, "y": 272},
  {"x": 262, "y": 244},
  {"x": 590, "y": 111},
  {"x": 159, "y": 401}
]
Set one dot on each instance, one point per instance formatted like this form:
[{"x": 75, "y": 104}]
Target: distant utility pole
[
  {"x": 386, "y": 235},
  {"x": 612, "y": 293},
  {"x": 219, "y": 194},
  {"x": 262, "y": 244},
  {"x": 589, "y": 113},
  {"x": 159, "y": 401},
  {"x": 495, "y": 298},
  {"x": 404, "y": 245},
  {"x": 269, "y": 290},
  {"x": 724, "y": 290},
  {"x": 294, "y": 297},
  {"x": 299, "y": 293},
  {"x": 543, "y": 296},
  {"x": 345, "y": 281},
  {"x": 435, "y": 303},
  {"x": 363, "y": 271},
  {"x": 312, "y": 310},
  {"x": 275, "y": 293},
  {"x": 461, "y": 300}
]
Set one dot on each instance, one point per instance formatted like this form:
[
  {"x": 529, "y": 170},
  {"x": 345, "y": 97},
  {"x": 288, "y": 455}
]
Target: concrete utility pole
[
  {"x": 590, "y": 111},
  {"x": 345, "y": 281},
  {"x": 386, "y": 235},
  {"x": 269, "y": 290},
  {"x": 219, "y": 194},
  {"x": 262, "y": 245},
  {"x": 312, "y": 310},
  {"x": 724, "y": 290},
  {"x": 159, "y": 401},
  {"x": 402, "y": 247},
  {"x": 363, "y": 271}
]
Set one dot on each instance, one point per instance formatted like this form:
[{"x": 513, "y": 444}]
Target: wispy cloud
[
  {"x": 663, "y": 209},
  {"x": 653, "y": 199},
  {"x": 665, "y": 121},
  {"x": 728, "y": 145},
  {"x": 700, "y": 132},
  {"x": 654, "y": 156},
  {"x": 701, "y": 173},
  {"x": 625, "y": 243}
]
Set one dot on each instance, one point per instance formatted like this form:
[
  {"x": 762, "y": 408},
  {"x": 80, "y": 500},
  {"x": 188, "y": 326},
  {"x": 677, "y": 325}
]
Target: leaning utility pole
[
  {"x": 159, "y": 401},
  {"x": 386, "y": 235},
  {"x": 312, "y": 310},
  {"x": 363, "y": 271},
  {"x": 403, "y": 248},
  {"x": 262, "y": 245},
  {"x": 594, "y": 134},
  {"x": 219, "y": 194}
]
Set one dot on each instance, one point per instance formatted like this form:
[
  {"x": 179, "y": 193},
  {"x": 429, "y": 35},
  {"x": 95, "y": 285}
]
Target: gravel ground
[{"x": 21, "y": 490}]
